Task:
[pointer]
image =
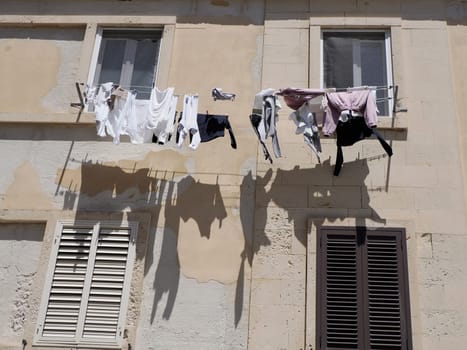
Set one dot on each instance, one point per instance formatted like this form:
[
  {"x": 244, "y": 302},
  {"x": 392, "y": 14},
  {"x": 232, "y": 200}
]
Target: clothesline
[
  {"x": 116, "y": 115},
  {"x": 358, "y": 88}
]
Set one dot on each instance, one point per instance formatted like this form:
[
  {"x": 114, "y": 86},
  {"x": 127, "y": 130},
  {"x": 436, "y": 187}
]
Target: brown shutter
[
  {"x": 387, "y": 313},
  {"x": 362, "y": 289},
  {"x": 339, "y": 292}
]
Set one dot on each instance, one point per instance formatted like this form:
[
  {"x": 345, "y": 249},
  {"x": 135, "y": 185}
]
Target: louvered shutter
[
  {"x": 64, "y": 301},
  {"x": 341, "y": 291},
  {"x": 363, "y": 290},
  {"x": 386, "y": 296},
  {"x": 107, "y": 284},
  {"x": 86, "y": 299}
]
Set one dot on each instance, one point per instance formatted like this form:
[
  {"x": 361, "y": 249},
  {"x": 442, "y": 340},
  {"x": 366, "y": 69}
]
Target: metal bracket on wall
[
  {"x": 79, "y": 104},
  {"x": 394, "y": 110}
]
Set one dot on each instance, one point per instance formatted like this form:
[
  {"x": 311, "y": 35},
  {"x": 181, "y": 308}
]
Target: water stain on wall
[
  {"x": 93, "y": 178},
  {"x": 25, "y": 191},
  {"x": 30, "y": 58}
]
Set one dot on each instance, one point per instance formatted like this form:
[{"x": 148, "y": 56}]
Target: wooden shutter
[
  {"x": 341, "y": 291},
  {"x": 362, "y": 290},
  {"x": 64, "y": 300},
  {"x": 107, "y": 284},
  {"x": 387, "y": 293},
  {"x": 87, "y": 294}
]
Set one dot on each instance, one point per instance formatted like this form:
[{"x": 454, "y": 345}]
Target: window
[
  {"x": 128, "y": 58},
  {"x": 363, "y": 300},
  {"x": 86, "y": 291},
  {"x": 356, "y": 58}
]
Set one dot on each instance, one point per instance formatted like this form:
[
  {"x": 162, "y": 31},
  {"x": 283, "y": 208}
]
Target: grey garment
[
  {"x": 255, "y": 120},
  {"x": 264, "y": 118},
  {"x": 218, "y": 94},
  {"x": 305, "y": 121},
  {"x": 264, "y": 125},
  {"x": 270, "y": 118}
]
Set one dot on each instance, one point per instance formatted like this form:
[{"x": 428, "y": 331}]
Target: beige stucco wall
[
  {"x": 20, "y": 245},
  {"x": 39, "y": 66},
  {"x": 420, "y": 188},
  {"x": 225, "y": 244},
  {"x": 195, "y": 273}
]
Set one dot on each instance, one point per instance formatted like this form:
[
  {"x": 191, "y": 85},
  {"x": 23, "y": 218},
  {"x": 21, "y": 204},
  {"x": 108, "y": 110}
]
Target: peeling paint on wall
[
  {"x": 21, "y": 302},
  {"x": 45, "y": 61},
  {"x": 25, "y": 192},
  {"x": 118, "y": 177},
  {"x": 20, "y": 245}
]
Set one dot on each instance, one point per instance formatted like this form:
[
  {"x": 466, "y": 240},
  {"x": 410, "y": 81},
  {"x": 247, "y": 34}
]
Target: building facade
[{"x": 156, "y": 246}]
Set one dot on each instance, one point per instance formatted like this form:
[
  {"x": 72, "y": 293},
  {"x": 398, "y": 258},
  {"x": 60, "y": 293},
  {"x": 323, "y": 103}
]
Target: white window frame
[
  {"x": 93, "y": 69},
  {"x": 79, "y": 342},
  {"x": 389, "y": 72}
]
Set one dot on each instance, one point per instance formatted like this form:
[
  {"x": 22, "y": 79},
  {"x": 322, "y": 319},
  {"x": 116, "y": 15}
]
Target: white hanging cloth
[
  {"x": 189, "y": 123},
  {"x": 161, "y": 113}
]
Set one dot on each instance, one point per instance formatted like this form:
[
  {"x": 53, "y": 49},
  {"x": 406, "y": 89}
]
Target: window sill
[
  {"x": 48, "y": 118},
  {"x": 67, "y": 345},
  {"x": 393, "y": 123}
]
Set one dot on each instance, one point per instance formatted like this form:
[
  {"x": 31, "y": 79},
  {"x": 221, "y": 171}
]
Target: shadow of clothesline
[
  {"x": 324, "y": 202},
  {"x": 108, "y": 188},
  {"x": 172, "y": 197}
]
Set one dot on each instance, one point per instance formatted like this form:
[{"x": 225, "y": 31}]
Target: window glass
[
  {"x": 112, "y": 60},
  {"x": 355, "y": 59},
  {"x": 145, "y": 64},
  {"x": 129, "y": 58}
]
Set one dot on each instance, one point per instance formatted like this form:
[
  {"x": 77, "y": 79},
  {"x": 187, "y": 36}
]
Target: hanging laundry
[
  {"x": 116, "y": 112},
  {"x": 264, "y": 118},
  {"x": 295, "y": 98},
  {"x": 218, "y": 94},
  {"x": 188, "y": 122},
  {"x": 89, "y": 94},
  {"x": 213, "y": 126},
  {"x": 303, "y": 117},
  {"x": 121, "y": 114},
  {"x": 357, "y": 101},
  {"x": 352, "y": 131},
  {"x": 305, "y": 121},
  {"x": 98, "y": 100},
  {"x": 136, "y": 122},
  {"x": 353, "y": 116},
  {"x": 161, "y": 113}
]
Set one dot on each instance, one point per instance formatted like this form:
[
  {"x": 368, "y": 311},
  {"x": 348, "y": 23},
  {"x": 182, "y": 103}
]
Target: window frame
[
  {"x": 388, "y": 49},
  {"x": 77, "y": 341},
  {"x": 361, "y": 260},
  {"x": 98, "y": 42}
]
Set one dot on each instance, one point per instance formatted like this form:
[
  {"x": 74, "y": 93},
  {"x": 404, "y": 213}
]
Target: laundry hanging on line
[
  {"x": 351, "y": 113},
  {"x": 162, "y": 113},
  {"x": 265, "y": 114},
  {"x": 353, "y": 116},
  {"x": 118, "y": 112}
]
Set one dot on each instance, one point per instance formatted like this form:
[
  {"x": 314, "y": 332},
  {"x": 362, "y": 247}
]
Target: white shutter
[
  {"x": 107, "y": 284},
  {"x": 64, "y": 300},
  {"x": 86, "y": 296}
]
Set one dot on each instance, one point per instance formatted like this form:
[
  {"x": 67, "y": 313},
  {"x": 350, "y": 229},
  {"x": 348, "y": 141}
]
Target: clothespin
[{"x": 120, "y": 92}]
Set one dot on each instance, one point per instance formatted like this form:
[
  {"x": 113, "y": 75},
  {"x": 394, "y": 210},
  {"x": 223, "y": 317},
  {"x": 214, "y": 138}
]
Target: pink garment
[
  {"x": 295, "y": 98},
  {"x": 362, "y": 101}
]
